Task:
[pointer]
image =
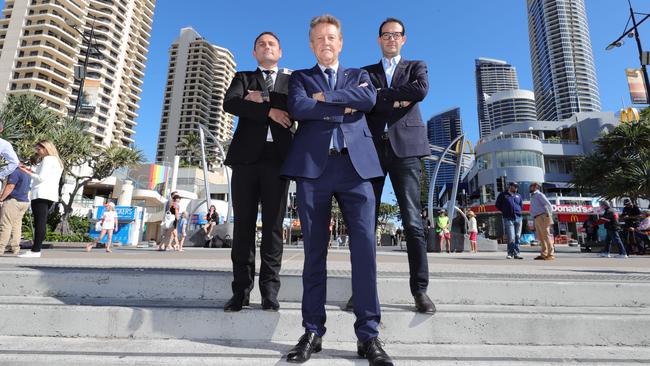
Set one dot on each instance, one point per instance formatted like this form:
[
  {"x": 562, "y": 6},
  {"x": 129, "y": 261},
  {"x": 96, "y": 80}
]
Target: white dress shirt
[
  {"x": 45, "y": 179},
  {"x": 8, "y": 153},
  {"x": 274, "y": 76},
  {"x": 334, "y": 67}
]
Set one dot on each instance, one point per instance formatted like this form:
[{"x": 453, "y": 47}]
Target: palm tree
[
  {"x": 620, "y": 165},
  {"x": 190, "y": 149}
]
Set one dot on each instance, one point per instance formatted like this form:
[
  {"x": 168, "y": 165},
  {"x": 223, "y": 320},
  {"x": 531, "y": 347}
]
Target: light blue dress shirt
[
  {"x": 334, "y": 67},
  {"x": 8, "y": 153},
  {"x": 389, "y": 67}
]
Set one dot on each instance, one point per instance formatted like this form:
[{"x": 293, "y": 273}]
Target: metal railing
[{"x": 508, "y": 136}]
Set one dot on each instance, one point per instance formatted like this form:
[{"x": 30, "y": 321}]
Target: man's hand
[
  {"x": 254, "y": 96},
  {"x": 401, "y": 104},
  {"x": 349, "y": 110},
  {"x": 281, "y": 117},
  {"x": 318, "y": 96}
]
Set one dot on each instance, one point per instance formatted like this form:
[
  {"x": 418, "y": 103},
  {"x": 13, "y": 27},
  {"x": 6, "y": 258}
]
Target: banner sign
[{"x": 638, "y": 92}]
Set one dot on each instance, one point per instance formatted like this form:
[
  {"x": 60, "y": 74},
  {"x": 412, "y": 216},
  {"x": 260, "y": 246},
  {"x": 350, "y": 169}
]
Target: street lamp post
[
  {"x": 634, "y": 32},
  {"x": 84, "y": 68}
]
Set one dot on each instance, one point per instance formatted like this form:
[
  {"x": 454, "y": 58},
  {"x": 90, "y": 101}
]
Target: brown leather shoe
[
  {"x": 540, "y": 258},
  {"x": 549, "y": 258}
]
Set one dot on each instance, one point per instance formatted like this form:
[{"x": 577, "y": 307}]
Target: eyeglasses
[{"x": 391, "y": 35}]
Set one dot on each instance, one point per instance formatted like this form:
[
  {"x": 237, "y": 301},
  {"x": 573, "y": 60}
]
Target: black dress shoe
[
  {"x": 236, "y": 303},
  {"x": 349, "y": 306},
  {"x": 309, "y": 343},
  {"x": 423, "y": 304},
  {"x": 270, "y": 304},
  {"x": 517, "y": 256},
  {"x": 372, "y": 351}
]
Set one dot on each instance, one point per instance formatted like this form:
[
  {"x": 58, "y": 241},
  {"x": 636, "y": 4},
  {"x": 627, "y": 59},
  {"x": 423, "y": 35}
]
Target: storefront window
[{"x": 484, "y": 161}]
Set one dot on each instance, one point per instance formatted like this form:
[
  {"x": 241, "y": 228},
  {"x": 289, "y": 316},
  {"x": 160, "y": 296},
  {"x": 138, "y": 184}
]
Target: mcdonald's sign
[
  {"x": 467, "y": 148},
  {"x": 573, "y": 218},
  {"x": 481, "y": 209},
  {"x": 630, "y": 115}
]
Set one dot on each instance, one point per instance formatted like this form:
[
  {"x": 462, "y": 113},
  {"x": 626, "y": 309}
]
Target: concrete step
[
  {"x": 574, "y": 288},
  {"x": 34, "y": 351},
  {"x": 452, "y": 324}
]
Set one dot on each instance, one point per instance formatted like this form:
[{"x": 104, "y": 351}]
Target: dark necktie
[
  {"x": 268, "y": 79},
  {"x": 337, "y": 134}
]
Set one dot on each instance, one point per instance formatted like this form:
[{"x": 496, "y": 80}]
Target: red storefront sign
[{"x": 565, "y": 213}]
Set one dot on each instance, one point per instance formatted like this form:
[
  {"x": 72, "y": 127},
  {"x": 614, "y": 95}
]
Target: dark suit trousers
[
  {"x": 252, "y": 184},
  {"x": 405, "y": 177},
  {"x": 356, "y": 199}
]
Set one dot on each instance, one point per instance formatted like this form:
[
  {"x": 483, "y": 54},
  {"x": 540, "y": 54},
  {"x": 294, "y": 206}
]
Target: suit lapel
[
  {"x": 341, "y": 76},
  {"x": 319, "y": 78},
  {"x": 260, "y": 79},
  {"x": 381, "y": 75},
  {"x": 399, "y": 72},
  {"x": 280, "y": 80}
]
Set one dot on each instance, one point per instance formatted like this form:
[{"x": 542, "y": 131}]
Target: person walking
[
  {"x": 182, "y": 231},
  {"x": 511, "y": 206},
  {"x": 542, "y": 212},
  {"x": 45, "y": 190},
  {"x": 15, "y": 202},
  {"x": 473, "y": 231},
  {"x": 108, "y": 223},
  {"x": 591, "y": 232},
  {"x": 332, "y": 155},
  {"x": 609, "y": 218}
]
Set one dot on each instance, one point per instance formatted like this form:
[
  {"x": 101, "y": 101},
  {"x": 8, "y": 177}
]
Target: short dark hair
[
  {"x": 392, "y": 20},
  {"x": 265, "y": 33}
]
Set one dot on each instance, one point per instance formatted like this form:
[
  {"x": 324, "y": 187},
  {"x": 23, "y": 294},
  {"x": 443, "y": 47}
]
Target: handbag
[{"x": 168, "y": 220}]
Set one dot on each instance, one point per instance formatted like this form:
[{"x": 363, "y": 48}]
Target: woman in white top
[
  {"x": 473, "y": 230},
  {"x": 45, "y": 190},
  {"x": 109, "y": 224}
]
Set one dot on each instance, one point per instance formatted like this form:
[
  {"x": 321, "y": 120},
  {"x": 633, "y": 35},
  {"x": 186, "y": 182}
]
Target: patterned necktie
[
  {"x": 268, "y": 79},
  {"x": 337, "y": 134}
]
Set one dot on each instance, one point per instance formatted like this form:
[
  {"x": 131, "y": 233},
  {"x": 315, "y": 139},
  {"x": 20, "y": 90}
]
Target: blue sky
[{"x": 448, "y": 35}]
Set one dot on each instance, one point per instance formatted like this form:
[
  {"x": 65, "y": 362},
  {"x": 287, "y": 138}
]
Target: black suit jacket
[
  {"x": 406, "y": 131},
  {"x": 250, "y": 134}
]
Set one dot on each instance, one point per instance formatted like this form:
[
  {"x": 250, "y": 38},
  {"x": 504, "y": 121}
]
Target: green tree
[
  {"x": 190, "y": 150},
  {"x": 620, "y": 164},
  {"x": 28, "y": 120},
  {"x": 387, "y": 212}
]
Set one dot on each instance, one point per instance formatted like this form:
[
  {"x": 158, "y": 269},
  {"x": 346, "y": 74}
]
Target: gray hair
[{"x": 327, "y": 19}]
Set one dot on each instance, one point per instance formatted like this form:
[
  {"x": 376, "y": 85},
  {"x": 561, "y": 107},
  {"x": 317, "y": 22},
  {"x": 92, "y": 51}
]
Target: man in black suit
[
  {"x": 256, "y": 154},
  {"x": 401, "y": 140}
]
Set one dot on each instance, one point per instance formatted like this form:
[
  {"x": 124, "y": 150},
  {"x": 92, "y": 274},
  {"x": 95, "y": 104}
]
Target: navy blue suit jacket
[
  {"x": 308, "y": 154},
  {"x": 406, "y": 130}
]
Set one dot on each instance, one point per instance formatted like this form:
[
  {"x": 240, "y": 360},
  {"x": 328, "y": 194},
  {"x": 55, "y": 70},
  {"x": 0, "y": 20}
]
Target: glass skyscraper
[
  {"x": 492, "y": 76},
  {"x": 441, "y": 130},
  {"x": 563, "y": 65}
]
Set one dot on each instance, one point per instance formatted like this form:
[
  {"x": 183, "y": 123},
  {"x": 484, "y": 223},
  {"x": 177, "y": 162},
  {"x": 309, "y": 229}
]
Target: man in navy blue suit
[{"x": 333, "y": 155}]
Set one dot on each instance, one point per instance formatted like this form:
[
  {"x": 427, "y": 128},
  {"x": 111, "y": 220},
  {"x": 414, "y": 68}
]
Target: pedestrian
[
  {"x": 14, "y": 201},
  {"x": 108, "y": 223},
  {"x": 473, "y": 231},
  {"x": 171, "y": 233},
  {"x": 182, "y": 231},
  {"x": 511, "y": 206},
  {"x": 8, "y": 154},
  {"x": 591, "y": 232},
  {"x": 258, "y": 149},
  {"x": 442, "y": 229},
  {"x": 542, "y": 212},
  {"x": 631, "y": 217},
  {"x": 609, "y": 218},
  {"x": 45, "y": 176}
]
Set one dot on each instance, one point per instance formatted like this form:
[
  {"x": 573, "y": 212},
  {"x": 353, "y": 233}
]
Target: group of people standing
[
  {"x": 24, "y": 186},
  {"x": 354, "y": 127}
]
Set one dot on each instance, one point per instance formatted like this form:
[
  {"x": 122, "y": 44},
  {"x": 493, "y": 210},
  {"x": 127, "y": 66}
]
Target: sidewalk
[{"x": 390, "y": 263}]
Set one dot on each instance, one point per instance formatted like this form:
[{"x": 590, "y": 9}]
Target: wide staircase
[{"x": 135, "y": 315}]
